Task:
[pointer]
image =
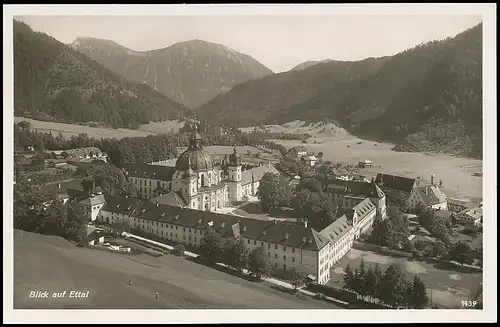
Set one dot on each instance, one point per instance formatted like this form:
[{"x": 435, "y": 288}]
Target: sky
[{"x": 278, "y": 42}]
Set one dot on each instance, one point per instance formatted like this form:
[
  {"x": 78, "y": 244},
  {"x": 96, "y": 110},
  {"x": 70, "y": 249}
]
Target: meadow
[
  {"x": 53, "y": 264},
  {"x": 68, "y": 130}
]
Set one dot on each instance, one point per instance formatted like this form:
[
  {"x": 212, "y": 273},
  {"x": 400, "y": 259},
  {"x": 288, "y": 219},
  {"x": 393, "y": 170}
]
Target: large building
[
  {"x": 348, "y": 194},
  {"x": 289, "y": 246},
  {"x": 197, "y": 181}
]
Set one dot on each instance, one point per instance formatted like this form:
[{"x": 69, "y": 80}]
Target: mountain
[
  {"x": 263, "y": 100},
  {"x": 428, "y": 97},
  {"x": 308, "y": 64},
  {"x": 54, "y": 82},
  {"x": 191, "y": 72}
]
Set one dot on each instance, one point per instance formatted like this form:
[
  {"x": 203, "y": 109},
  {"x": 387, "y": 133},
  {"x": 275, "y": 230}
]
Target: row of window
[
  {"x": 269, "y": 245},
  {"x": 276, "y": 256}
]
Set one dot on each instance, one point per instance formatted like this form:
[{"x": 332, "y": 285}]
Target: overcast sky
[{"x": 278, "y": 42}]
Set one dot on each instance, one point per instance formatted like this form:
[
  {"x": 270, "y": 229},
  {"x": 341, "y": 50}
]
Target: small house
[
  {"x": 365, "y": 164},
  {"x": 93, "y": 236}
]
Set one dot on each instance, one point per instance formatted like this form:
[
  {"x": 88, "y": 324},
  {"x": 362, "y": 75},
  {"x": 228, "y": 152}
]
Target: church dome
[{"x": 195, "y": 157}]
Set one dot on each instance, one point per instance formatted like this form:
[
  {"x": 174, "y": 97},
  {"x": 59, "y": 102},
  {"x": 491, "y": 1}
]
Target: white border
[{"x": 488, "y": 13}]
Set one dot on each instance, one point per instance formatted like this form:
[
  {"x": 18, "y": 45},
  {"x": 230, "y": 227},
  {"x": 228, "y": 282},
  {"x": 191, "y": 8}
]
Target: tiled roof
[
  {"x": 283, "y": 233},
  {"x": 364, "y": 208},
  {"x": 337, "y": 229},
  {"x": 395, "y": 182},
  {"x": 163, "y": 173},
  {"x": 256, "y": 174},
  {"x": 120, "y": 204},
  {"x": 431, "y": 195},
  {"x": 94, "y": 200},
  {"x": 366, "y": 189},
  {"x": 172, "y": 198}
]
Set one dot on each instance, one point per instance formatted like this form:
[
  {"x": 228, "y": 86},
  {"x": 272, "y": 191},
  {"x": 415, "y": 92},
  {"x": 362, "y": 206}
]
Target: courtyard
[{"x": 447, "y": 285}]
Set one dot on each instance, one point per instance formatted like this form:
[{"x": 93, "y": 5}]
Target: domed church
[{"x": 198, "y": 179}]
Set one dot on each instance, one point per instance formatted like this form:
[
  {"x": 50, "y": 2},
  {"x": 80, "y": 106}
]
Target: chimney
[
  {"x": 433, "y": 181},
  {"x": 126, "y": 196},
  {"x": 157, "y": 204},
  {"x": 59, "y": 185},
  {"x": 305, "y": 223}
]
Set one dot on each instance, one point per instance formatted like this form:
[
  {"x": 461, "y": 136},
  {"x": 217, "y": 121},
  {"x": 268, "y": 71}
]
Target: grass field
[
  {"x": 447, "y": 285},
  {"x": 68, "y": 130},
  {"x": 53, "y": 264}
]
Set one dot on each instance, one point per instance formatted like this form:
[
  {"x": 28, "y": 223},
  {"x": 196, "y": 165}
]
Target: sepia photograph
[{"x": 250, "y": 163}]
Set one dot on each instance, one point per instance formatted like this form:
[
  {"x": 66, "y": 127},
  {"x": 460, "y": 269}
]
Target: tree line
[{"x": 389, "y": 287}]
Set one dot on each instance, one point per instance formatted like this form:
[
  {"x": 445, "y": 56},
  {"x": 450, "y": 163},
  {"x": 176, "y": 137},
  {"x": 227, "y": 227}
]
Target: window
[
  {"x": 189, "y": 238},
  {"x": 293, "y": 250},
  {"x": 276, "y": 255},
  {"x": 248, "y": 241},
  {"x": 269, "y": 246},
  {"x": 284, "y": 257},
  {"x": 184, "y": 229},
  {"x": 284, "y": 248},
  {"x": 261, "y": 243},
  {"x": 293, "y": 259},
  {"x": 254, "y": 242},
  {"x": 269, "y": 254},
  {"x": 284, "y": 267},
  {"x": 275, "y": 246},
  {"x": 275, "y": 265}
]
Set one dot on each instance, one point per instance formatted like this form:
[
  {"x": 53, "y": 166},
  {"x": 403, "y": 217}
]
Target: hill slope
[
  {"x": 53, "y": 264},
  {"x": 263, "y": 100},
  {"x": 428, "y": 97},
  {"x": 54, "y": 82},
  {"x": 191, "y": 72}
]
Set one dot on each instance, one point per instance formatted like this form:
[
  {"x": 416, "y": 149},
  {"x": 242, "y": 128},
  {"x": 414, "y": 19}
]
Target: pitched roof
[
  {"x": 363, "y": 208},
  {"x": 431, "y": 195},
  {"x": 299, "y": 148},
  {"x": 120, "y": 204},
  {"x": 163, "y": 173},
  {"x": 474, "y": 213},
  {"x": 172, "y": 198},
  {"x": 337, "y": 229},
  {"x": 93, "y": 200},
  {"x": 92, "y": 233},
  {"x": 283, "y": 233},
  {"x": 360, "y": 188},
  {"x": 395, "y": 182},
  {"x": 256, "y": 174}
]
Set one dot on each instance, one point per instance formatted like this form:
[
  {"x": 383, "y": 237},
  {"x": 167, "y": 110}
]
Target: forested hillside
[
  {"x": 55, "y": 82},
  {"x": 425, "y": 98}
]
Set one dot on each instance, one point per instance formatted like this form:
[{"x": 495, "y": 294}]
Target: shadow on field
[
  {"x": 223, "y": 269},
  {"x": 449, "y": 266}
]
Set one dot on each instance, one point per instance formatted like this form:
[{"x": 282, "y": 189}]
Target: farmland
[
  {"x": 339, "y": 146},
  {"x": 53, "y": 264}
]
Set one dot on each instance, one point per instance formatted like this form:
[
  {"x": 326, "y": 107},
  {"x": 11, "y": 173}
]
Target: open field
[
  {"x": 447, "y": 285},
  {"x": 53, "y": 264},
  {"x": 455, "y": 172},
  {"x": 68, "y": 130}
]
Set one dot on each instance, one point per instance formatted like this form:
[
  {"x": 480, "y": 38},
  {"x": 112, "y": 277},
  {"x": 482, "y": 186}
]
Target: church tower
[
  {"x": 234, "y": 167},
  {"x": 190, "y": 186}
]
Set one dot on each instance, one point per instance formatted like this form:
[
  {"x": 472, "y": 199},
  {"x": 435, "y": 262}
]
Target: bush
[{"x": 179, "y": 249}]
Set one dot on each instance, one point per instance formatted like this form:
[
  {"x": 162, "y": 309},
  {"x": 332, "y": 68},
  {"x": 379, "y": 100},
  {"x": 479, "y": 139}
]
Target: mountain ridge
[
  {"x": 191, "y": 72},
  {"x": 54, "y": 82}
]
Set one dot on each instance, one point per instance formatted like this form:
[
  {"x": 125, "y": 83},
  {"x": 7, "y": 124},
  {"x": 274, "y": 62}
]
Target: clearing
[{"x": 48, "y": 263}]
